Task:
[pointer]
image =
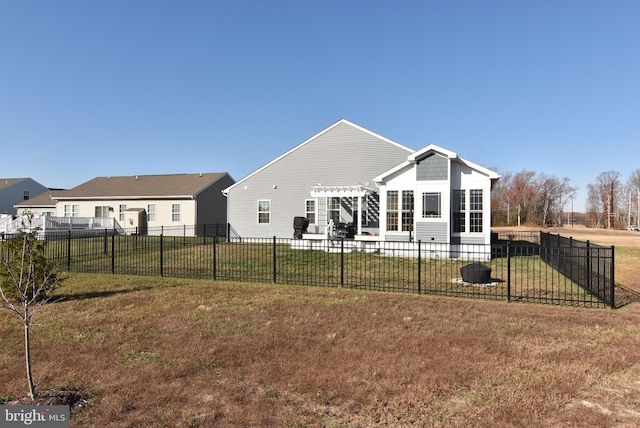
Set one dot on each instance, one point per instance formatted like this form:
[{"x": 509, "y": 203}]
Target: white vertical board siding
[{"x": 344, "y": 155}]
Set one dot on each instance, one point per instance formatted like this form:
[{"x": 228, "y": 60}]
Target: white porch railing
[{"x": 51, "y": 224}]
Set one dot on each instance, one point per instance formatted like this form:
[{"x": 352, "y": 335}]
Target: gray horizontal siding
[
  {"x": 472, "y": 239},
  {"x": 432, "y": 232},
  {"x": 344, "y": 155}
]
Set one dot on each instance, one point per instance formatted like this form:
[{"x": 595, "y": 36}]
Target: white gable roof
[{"x": 432, "y": 148}]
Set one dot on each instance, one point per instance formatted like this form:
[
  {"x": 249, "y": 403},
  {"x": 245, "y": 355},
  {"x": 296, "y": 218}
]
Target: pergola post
[{"x": 359, "y": 220}]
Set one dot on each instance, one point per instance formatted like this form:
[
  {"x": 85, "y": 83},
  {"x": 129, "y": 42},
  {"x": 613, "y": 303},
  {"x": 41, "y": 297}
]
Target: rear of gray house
[
  {"x": 349, "y": 175},
  {"x": 342, "y": 160}
]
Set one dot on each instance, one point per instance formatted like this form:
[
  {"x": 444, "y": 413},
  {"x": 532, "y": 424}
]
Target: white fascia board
[
  {"x": 382, "y": 177},
  {"x": 491, "y": 174},
  {"x": 432, "y": 148}
]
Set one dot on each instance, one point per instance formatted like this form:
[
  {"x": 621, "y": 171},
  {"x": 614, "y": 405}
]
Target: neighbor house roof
[
  {"x": 168, "y": 186},
  {"x": 8, "y": 182},
  {"x": 44, "y": 199}
]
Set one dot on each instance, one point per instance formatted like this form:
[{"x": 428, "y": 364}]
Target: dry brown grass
[{"x": 182, "y": 353}]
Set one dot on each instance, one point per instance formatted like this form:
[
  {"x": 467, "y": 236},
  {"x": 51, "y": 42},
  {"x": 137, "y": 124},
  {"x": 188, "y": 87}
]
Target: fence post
[
  {"x": 588, "y": 266},
  {"x": 106, "y": 239},
  {"x": 509, "y": 271},
  {"x": 161, "y": 255},
  {"x": 69, "y": 250},
  {"x": 419, "y": 264},
  {"x": 274, "y": 259},
  {"x": 215, "y": 238},
  {"x": 612, "y": 283},
  {"x": 341, "y": 262},
  {"x": 113, "y": 252}
]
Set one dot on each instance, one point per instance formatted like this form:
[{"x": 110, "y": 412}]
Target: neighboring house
[
  {"x": 15, "y": 190},
  {"x": 42, "y": 205},
  {"x": 347, "y": 174},
  {"x": 327, "y": 177},
  {"x": 171, "y": 204}
]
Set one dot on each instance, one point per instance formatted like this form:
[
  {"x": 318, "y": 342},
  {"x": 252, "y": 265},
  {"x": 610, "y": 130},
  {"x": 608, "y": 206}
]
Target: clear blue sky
[{"x": 114, "y": 87}]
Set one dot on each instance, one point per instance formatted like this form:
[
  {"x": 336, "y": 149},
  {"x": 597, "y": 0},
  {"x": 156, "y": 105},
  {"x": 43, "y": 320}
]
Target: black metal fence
[
  {"x": 591, "y": 266},
  {"x": 552, "y": 272}
]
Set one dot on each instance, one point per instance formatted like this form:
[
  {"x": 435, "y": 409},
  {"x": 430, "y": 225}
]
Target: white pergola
[{"x": 358, "y": 191}]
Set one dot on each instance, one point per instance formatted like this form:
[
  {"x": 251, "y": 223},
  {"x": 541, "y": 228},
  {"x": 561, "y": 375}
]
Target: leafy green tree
[{"x": 27, "y": 281}]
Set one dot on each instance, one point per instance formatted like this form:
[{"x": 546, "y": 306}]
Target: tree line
[{"x": 527, "y": 198}]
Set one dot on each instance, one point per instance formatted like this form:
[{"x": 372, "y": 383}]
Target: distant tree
[
  {"x": 608, "y": 187},
  {"x": 500, "y": 201},
  {"x": 595, "y": 216},
  {"x": 522, "y": 193},
  {"x": 633, "y": 200},
  {"x": 27, "y": 280},
  {"x": 552, "y": 195}
]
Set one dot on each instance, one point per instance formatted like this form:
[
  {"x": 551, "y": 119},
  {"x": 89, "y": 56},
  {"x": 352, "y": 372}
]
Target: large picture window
[
  {"x": 264, "y": 211},
  {"x": 475, "y": 211},
  {"x": 458, "y": 207},
  {"x": 431, "y": 205}
]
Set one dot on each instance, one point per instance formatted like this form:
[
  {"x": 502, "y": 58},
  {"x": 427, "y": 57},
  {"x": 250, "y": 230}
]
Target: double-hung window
[
  {"x": 151, "y": 212},
  {"x": 475, "y": 210},
  {"x": 121, "y": 210},
  {"x": 400, "y": 210},
  {"x": 334, "y": 209},
  {"x": 407, "y": 210},
  {"x": 392, "y": 210},
  {"x": 310, "y": 210},
  {"x": 264, "y": 211},
  {"x": 175, "y": 213},
  {"x": 71, "y": 210},
  {"x": 458, "y": 207}
]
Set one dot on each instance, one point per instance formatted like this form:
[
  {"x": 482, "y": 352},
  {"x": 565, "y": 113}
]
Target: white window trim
[
  {"x": 179, "y": 212},
  {"x": 315, "y": 210},
  {"x": 258, "y": 211}
]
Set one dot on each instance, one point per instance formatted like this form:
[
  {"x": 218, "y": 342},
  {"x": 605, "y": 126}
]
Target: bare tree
[
  {"x": 500, "y": 200},
  {"x": 552, "y": 196},
  {"x": 633, "y": 201},
  {"x": 27, "y": 280},
  {"x": 608, "y": 184},
  {"x": 522, "y": 192}
]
